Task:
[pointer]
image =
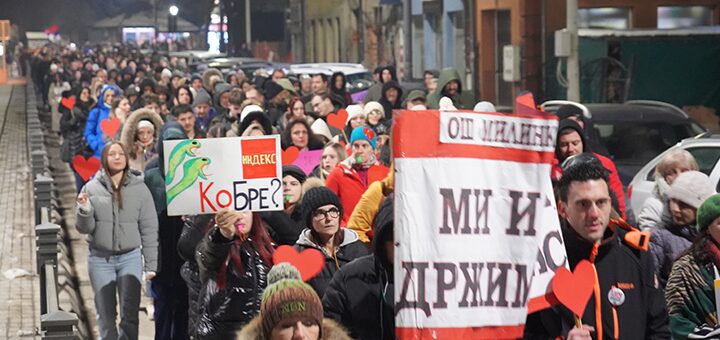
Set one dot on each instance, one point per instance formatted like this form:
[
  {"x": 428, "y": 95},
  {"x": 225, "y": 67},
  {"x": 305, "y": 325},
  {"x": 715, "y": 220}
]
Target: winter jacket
[
  {"x": 386, "y": 104},
  {"x": 655, "y": 212},
  {"x": 374, "y": 93},
  {"x": 139, "y": 156},
  {"x": 204, "y": 123},
  {"x": 666, "y": 245},
  {"x": 284, "y": 229},
  {"x": 620, "y": 263},
  {"x": 360, "y": 295},
  {"x": 350, "y": 249},
  {"x": 460, "y": 100},
  {"x": 346, "y": 183},
  {"x": 93, "y": 134},
  {"x": 361, "y": 220},
  {"x": 223, "y": 311},
  {"x": 72, "y": 126},
  {"x": 331, "y": 330},
  {"x": 690, "y": 296},
  {"x": 112, "y": 230},
  {"x": 194, "y": 230}
]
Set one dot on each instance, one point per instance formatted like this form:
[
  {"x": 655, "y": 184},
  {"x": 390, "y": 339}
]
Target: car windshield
[{"x": 636, "y": 143}]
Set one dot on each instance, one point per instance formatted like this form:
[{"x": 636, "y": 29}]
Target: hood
[
  {"x": 393, "y": 74},
  {"x": 305, "y": 239},
  {"x": 383, "y": 226},
  {"x": 170, "y": 131},
  {"x": 147, "y": 82},
  {"x": 392, "y": 85},
  {"x": 108, "y": 87},
  {"x": 131, "y": 125},
  {"x": 567, "y": 123},
  {"x": 447, "y": 75}
]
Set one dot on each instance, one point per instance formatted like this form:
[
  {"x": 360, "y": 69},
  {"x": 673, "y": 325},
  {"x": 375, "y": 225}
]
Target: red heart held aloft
[
  {"x": 338, "y": 119},
  {"x": 86, "y": 168},
  {"x": 309, "y": 262},
  {"x": 289, "y": 155},
  {"x": 574, "y": 289},
  {"x": 110, "y": 126},
  {"x": 68, "y": 102}
]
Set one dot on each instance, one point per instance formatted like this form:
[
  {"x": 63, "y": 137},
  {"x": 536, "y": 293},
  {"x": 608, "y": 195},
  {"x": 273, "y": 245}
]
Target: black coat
[
  {"x": 193, "y": 232},
  {"x": 350, "y": 249},
  {"x": 641, "y": 316},
  {"x": 72, "y": 127},
  {"x": 223, "y": 311}
]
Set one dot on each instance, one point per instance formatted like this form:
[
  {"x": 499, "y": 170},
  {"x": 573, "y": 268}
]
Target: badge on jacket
[{"x": 616, "y": 296}]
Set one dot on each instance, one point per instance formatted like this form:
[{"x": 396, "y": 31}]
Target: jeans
[{"x": 121, "y": 275}]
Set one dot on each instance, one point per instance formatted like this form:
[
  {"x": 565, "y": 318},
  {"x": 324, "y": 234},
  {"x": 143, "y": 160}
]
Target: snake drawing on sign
[
  {"x": 192, "y": 170},
  {"x": 178, "y": 154}
]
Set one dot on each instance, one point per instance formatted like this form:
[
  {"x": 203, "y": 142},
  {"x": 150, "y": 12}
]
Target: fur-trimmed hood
[
  {"x": 131, "y": 125},
  {"x": 331, "y": 330}
]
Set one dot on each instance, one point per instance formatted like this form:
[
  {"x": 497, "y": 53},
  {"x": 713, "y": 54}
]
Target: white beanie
[
  {"x": 691, "y": 188},
  {"x": 319, "y": 127},
  {"x": 165, "y": 73},
  {"x": 146, "y": 124},
  {"x": 484, "y": 107},
  {"x": 248, "y": 109},
  {"x": 353, "y": 111},
  {"x": 418, "y": 107},
  {"x": 371, "y": 106},
  {"x": 446, "y": 104}
]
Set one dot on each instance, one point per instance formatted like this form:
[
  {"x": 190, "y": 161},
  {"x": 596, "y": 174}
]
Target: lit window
[{"x": 605, "y": 17}]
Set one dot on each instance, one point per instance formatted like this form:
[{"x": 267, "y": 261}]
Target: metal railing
[{"x": 54, "y": 323}]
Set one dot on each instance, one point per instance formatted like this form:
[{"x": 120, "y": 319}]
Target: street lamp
[
  {"x": 172, "y": 20},
  {"x": 174, "y": 10}
]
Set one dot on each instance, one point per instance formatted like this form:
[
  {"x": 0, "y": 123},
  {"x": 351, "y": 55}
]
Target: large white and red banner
[{"x": 474, "y": 205}]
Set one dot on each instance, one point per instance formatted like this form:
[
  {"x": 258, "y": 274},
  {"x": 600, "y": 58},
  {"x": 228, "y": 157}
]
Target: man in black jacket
[
  {"x": 626, "y": 302},
  {"x": 360, "y": 295}
]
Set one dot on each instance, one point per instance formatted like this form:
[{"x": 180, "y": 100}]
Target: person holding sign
[
  {"x": 234, "y": 259},
  {"x": 116, "y": 211},
  {"x": 626, "y": 303},
  {"x": 693, "y": 289}
]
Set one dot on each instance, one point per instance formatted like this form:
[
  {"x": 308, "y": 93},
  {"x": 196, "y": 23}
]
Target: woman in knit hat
[
  {"x": 290, "y": 309},
  {"x": 689, "y": 294},
  {"x": 322, "y": 211},
  {"x": 350, "y": 178},
  {"x": 670, "y": 240},
  {"x": 356, "y": 117},
  {"x": 375, "y": 116}
]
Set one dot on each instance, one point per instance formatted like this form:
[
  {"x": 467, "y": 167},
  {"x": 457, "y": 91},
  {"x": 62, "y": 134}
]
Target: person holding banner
[
  {"x": 234, "y": 259},
  {"x": 693, "y": 289},
  {"x": 626, "y": 303},
  {"x": 339, "y": 246}
]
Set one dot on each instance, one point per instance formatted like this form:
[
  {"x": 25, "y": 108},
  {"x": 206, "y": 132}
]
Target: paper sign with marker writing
[{"x": 203, "y": 176}]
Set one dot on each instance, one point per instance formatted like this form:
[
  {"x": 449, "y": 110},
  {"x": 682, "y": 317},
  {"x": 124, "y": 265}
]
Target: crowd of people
[{"x": 212, "y": 276}]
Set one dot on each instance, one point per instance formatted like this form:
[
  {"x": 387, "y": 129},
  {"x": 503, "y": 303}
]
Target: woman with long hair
[
  {"x": 116, "y": 211},
  {"x": 338, "y": 88},
  {"x": 332, "y": 155},
  {"x": 234, "y": 258},
  {"x": 300, "y": 135}
]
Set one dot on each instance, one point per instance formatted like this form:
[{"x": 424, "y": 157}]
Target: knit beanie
[
  {"x": 202, "y": 98},
  {"x": 364, "y": 133},
  {"x": 353, "y": 111},
  {"x": 287, "y": 296},
  {"x": 691, "y": 188},
  {"x": 295, "y": 172},
  {"x": 316, "y": 198},
  {"x": 708, "y": 212}
]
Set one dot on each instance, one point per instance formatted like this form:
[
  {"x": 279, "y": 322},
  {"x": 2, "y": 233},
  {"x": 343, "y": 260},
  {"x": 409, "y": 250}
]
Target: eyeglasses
[{"x": 319, "y": 215}]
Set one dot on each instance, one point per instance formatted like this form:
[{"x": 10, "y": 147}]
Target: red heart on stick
[
  {"x": 574, "y": 289},
  {"x": 86, "y": 168},
  {"x": 68, "y": 102},
  {"x": 289, "y": 155},
  {"x": 338, "y": 119},
  {"x": 309, "y": 262},
  {"x": 110, "y": 126}
]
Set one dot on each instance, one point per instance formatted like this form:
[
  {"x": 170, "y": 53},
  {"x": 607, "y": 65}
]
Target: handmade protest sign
[
  {"x": 474, "y": 203},
  {"x": 203, "y": 176}
]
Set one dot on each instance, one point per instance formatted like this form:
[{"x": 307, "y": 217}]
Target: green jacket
[
  {"x": 462, "y": 100},
  {"x": 689, "y": 296}
]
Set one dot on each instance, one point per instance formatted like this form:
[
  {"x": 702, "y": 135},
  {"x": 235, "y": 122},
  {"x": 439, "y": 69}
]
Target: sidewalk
[{"x": 19, "y": 292}]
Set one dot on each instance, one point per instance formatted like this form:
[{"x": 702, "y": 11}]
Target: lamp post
[{"x": 172, "y": 19}]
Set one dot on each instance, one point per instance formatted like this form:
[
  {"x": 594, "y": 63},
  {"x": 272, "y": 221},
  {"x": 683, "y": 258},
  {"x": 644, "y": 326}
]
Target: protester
[
  {"x": 194, "y": 230},
  {"x": 332, "y": 155},
  {"x": 116, "y": 211},
  {"x": 414, "y": 99},
  {"x": 285, "y": 226},
  {"x": 184, "y": 115},
  {"x": 93, "y": 135},
  {"x": 322, "y": 131},
  {"x": 356, "y": 117},
  {"x": 322, "y": 211},
  {"x": 295, "y": 110},
  {"x": 375, "y": 114},
  {"x": 361, "y": 220},
  {"x": 390, "y": 100},
  {"x": 290, "y": 309},
  {"x": 72, "y": 126},
  {"x": 350, "y": 178},
  {"x": 654, "y": 212},
  {"x": 120, "y": 109},
  {"x": 183, "y": 96},
  {"x": 338, "y": 88},
  {"x": 360, "y": 295},
  {"x": 449, "y": 85},
  {"x": 204, "y": 112},
  {"x": 690, "y": 292},
  {"x": 234, "y": 259},
  {"x": 669, "y": 241},
  {"x": 139, "y": 135},
  {"x": 299, "y": 135},
  {"x": 589, "y": 234}
]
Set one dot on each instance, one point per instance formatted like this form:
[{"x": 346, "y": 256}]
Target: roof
[{"x": 145, "y": 19}]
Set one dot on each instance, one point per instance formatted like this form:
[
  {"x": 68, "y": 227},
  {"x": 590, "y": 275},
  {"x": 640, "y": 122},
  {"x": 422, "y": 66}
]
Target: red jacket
[{"x": 346, "y": 183}]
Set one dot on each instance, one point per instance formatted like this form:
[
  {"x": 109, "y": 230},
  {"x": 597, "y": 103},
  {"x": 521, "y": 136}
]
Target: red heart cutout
[
  {"x": 574, "y": 289},
  {"x": 338, "y": 119},
  {"x": 289, "y": 155},
  {"x": 68, "y": 102},
  {"x": 110, "y": 126},
  {"x": 309, "y": 262},
  {"x": 377, "y": 173},
  {"x": 86, "y": 168}
]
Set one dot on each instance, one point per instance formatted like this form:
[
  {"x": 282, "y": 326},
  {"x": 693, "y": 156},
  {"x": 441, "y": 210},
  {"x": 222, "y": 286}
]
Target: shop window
[
  {"x": 684, "y": 16},
  {"x": 604, "y": 17}
]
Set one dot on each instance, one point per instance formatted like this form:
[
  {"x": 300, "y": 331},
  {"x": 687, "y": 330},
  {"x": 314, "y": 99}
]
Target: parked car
[
  {"x": 358, "y": 78},
  {"x": 636, "y": 131},
  {"x": 705, "y": 149}
]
